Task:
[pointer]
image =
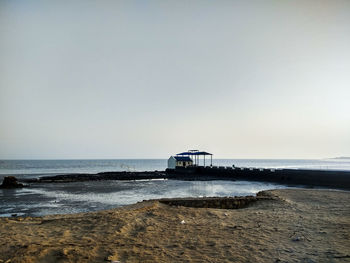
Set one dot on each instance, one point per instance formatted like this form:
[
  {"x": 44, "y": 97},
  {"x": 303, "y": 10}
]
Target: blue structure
[{"x": 196, "y": 154}]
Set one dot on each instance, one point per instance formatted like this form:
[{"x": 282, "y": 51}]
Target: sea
[{"x": 76, "y": 197}]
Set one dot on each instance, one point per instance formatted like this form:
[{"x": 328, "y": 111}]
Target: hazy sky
[{"x": 147, "y": 79}]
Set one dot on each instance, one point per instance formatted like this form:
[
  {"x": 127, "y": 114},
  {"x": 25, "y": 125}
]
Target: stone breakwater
[{"x": 290, "y": 177}]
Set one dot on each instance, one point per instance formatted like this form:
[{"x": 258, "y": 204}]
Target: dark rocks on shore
[
  {"x": 67, "y": 178},
  {"x": 10, "y": 182},
  {"x": 236, "y": 202}
]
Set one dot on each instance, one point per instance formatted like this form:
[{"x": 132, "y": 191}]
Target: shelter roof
[
  {"x": 194, "y": 153},
  {"x": 183, "y": 158}
]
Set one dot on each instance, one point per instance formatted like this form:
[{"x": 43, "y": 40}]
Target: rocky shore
[
  {"x": 236, "y": 202},
  {"x": 10, "y": 182},
  {"x": 290, "y": 177},
  {"x": 66, "y": 178}
]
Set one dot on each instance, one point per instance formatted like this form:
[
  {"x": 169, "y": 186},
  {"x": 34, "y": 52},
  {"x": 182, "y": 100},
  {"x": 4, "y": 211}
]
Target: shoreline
[
  {"x": 289, "y": 177},
  {"x": 290, "y": 225},
  {"x": 75, "y": 197}
]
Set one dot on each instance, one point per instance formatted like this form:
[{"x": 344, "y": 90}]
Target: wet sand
[{"x": 295, "y": 226}]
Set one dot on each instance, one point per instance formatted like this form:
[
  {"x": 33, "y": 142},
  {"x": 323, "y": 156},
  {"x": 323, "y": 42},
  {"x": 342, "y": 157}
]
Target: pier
[
  {"x": 297, "y": 177},
  {"x": 290, "y": 177},
  {"x": 186, "y": 166}
]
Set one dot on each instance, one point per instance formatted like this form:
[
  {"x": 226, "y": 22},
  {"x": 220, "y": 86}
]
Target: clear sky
[{"x": 147, "y": 79}]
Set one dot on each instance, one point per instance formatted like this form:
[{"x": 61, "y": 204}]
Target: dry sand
[{"x": 298, "y": 226}]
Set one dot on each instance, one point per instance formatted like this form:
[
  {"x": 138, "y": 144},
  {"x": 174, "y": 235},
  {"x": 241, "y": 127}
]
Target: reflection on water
[{"x": 43, "y": 199}]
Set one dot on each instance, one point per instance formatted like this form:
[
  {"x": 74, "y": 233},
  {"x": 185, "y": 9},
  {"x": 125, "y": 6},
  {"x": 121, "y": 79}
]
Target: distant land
[{"x": 341, "y": 157}]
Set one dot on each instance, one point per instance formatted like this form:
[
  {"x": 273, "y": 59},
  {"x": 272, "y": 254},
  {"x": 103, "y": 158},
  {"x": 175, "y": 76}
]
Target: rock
[
  {"x": 297, "y": 238},
  {"x": 10, "y": 182}
]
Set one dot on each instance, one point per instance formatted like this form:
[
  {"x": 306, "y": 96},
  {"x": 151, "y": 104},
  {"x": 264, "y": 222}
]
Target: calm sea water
[
  {"x": 35, "y": 168},
  {"x": 44, "y": 199}
]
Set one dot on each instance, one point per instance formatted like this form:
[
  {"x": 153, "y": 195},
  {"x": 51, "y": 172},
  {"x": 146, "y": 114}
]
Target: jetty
[
  {"x": 186, "y": 166},
  {"x": 290, "y": 177}
]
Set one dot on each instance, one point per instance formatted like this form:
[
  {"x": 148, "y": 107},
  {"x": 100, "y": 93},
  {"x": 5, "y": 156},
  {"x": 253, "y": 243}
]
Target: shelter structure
[
  {"x": 196, "y": 154},
  {"x": 179, "y": 161}
]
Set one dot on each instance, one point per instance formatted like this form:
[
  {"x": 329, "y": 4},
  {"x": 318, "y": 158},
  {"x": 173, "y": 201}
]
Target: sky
[{"x": 148, "y": 79}]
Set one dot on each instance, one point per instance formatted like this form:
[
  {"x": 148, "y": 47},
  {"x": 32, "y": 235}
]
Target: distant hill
[{"x": 342, "y": 157}]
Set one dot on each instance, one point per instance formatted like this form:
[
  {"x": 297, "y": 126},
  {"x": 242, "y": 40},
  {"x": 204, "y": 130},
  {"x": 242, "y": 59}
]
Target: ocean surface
[
  {"x": 35, "y": 168},
  {"x": 63, "y": 198}
]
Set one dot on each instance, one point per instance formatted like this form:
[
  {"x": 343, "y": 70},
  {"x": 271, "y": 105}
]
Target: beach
[
  {"x": 175, "y": 131},
  {"x": 293, "y": 225}
]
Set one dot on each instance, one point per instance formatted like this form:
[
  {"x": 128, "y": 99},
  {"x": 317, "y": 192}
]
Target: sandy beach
[{"x": 297, "y": 225}]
